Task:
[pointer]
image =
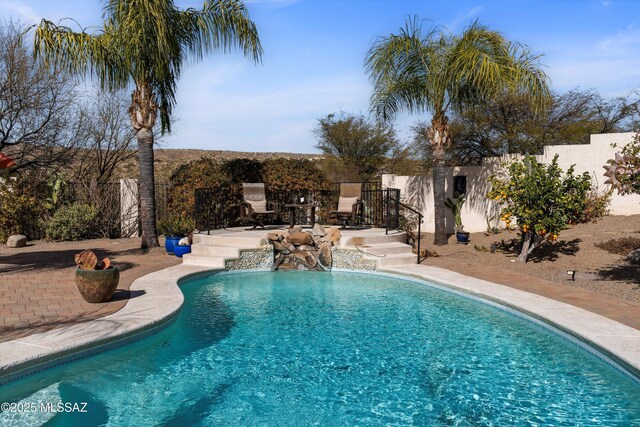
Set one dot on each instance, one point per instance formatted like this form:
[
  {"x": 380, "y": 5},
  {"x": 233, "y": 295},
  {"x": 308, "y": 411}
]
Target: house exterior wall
[{"x": 418, "y": 192}]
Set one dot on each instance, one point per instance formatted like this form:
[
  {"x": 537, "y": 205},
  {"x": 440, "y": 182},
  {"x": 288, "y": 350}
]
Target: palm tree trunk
[
  {"x": 439, "y": 137},
  {"x": 147, "y": 191},
  {"x": 438, "y": 177},
  {"x": 143, "y": 112}
]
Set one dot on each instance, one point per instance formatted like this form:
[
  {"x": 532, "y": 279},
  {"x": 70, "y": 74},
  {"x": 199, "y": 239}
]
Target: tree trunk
[
  {"x": 147, "y": 191},
  {"x": 528, "y": 244},
  {"x": 143, "y": 113},
  {"x": 439, "y": 175},
  {"x": 439, "y": 137}
]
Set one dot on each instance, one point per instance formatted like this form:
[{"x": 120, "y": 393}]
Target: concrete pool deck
[{"x": 160, "y": 299}]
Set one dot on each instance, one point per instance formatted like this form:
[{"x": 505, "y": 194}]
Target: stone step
[
  {"x": 230, "y": 240},
  {"x": 368, "y": 239},
  {"x": 207, "y": 261},
  {"x": 396, "y": 259},
  {"x": 386, "y": 248},
  {"x": 216, "y": 250}
]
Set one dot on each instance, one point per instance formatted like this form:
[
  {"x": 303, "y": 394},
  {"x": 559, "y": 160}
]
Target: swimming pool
[{"x": 304, "y": 348}]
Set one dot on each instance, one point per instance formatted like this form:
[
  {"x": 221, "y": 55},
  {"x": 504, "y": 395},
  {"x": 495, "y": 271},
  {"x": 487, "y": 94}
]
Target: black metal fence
[{"x": 380, "y": 207}]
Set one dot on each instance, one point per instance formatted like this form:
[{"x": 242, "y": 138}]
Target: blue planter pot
[
  {"x": 170, "y": 242},
  {"x": 180, "y": 250},
  {"x": 462, "y": 236}
]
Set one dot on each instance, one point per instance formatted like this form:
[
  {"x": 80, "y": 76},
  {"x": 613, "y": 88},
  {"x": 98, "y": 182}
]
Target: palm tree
[
  {"x": 437, "y": 72},
  {"x": 144, "y": 44}
]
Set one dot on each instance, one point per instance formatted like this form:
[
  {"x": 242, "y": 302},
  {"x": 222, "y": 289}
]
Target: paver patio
[{"x": 37, "y": 284}]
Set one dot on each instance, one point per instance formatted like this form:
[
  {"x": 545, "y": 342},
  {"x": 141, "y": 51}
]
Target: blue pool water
[{"x": 301, "y": 348}]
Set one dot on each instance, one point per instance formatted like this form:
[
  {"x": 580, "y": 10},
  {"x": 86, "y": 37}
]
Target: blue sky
[{"x": 314, "y": 50}]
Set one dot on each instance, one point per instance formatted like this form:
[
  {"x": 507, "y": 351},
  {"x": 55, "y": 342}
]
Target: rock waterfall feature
[{"x": 295, "y": 249}]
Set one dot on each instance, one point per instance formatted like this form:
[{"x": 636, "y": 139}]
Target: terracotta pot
[{"x": 97, "y": 285}]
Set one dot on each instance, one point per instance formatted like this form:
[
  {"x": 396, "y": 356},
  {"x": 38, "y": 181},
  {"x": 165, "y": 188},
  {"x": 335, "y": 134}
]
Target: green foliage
[
  {"x": 621, "y": 246},
  {"x": 542, "y": 198},
  {"x": 56, "y": 186},
  {"x": 623, "y": 172},
  {"x": 175, "y": 225},
  {"x": 284, "y": 179},
  {"x": 360, "y": 146},
  {"x": 597, "y": 205},
  {"x": 456, "y": 210},
  {"x": 19, "y": 206},
  {"x": 73, "y": 222},
  {"x": 148, "y": 42},
  {"x": 508, "y": 124}
]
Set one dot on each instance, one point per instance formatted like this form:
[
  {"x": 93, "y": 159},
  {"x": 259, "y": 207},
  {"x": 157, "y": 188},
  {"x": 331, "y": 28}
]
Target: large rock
[
  {"x": 318, "y": 230},
  {"x": 17, "y": 241},
  {"x": 334, "y": 236},
  {"x": 325, "y": 258},
  {"x": 280, "y": 248},
  {"x": 634, "y": 257},
  {"x": 298, "y": 239}
]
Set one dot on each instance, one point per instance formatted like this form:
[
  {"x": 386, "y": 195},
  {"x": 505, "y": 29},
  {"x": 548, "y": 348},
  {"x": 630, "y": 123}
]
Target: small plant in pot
[
  {"x": 174, "y": 228},
  {"x": 96, "y": 281},
  {"x": 456, "y": 208}
]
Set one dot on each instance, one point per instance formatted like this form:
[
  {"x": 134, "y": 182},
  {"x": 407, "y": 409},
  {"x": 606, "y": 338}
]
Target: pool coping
[{"x": 161, "y": 299}]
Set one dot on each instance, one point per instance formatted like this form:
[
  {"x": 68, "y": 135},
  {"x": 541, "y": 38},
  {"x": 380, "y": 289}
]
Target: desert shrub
[
  {"x": 175, "y": 225},
  {"x": 20, "y": 209},
  {"x": 72, "y": 222},
  {"x": 202, "y": 173},
  {"x": 621, "y": 246},
  {"x": 596, "y": 205},
  {"x": 284, "y": 179}
]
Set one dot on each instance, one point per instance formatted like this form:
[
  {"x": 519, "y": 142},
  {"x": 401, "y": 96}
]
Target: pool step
[
  {"x": 206, "y": 261},
  {"x": 397, "y": 259},
  {"x": 244, "y": 242},
  {"x": 386, "y": 248},
  {"x": 372, "y": 238},
  {"x": 214, "y": 250}
]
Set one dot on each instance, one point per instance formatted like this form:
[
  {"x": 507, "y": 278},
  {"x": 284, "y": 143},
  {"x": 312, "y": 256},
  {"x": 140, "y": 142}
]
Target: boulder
[
  {"x": 300, "y": 238},
  {"x": 334, "y": 236},
  {"x": 280, "y": 248},
  {"x": 634, "y": 257},
  {"x": 17, "y": 241},
  {"x": 325, "y": 258},
  {"x": 274, "y": 236},
  {"x": 318, "y": 230}
]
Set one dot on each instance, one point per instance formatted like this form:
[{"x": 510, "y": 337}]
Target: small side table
[{"x": 292, "y": 212}]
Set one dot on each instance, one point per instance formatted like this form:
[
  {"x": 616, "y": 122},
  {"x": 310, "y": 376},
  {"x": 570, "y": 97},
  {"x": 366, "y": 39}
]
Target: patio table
[{"x": 292, "y": 212}]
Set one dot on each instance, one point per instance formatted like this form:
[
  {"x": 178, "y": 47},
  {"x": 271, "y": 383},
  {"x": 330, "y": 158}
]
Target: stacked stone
[{"x": 304, "y": 250}]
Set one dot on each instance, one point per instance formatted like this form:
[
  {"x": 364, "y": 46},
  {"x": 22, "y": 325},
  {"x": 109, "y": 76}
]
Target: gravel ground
[{"x": 597, "y": 269}]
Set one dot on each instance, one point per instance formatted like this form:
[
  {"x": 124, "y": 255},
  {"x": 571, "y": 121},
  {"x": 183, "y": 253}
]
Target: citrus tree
[
  {"x": 623, "y": 172},
  {"x": 541, "y": 199}
]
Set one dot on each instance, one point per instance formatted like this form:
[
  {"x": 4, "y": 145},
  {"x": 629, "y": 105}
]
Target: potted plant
[
  {"x": 96, "y": 281},
  {"x": 456, "y": 209},
  {"x": 174, "y": 228}
]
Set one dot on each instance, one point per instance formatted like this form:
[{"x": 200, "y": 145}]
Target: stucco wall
[{"x": 417, "y": 190}]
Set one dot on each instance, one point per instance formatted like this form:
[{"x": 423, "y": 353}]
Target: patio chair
[
  {"x": 349, "y": 206},
  {"x": 255, "y": 208}
]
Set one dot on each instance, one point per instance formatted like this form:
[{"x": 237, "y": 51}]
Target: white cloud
[
  {"x": 464, "y": 19},
  {"x": 20, "y": 11},
  {"x": 625, "y": 41}
]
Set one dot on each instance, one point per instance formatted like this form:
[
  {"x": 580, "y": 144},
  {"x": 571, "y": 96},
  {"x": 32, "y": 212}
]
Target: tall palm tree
[
  {"x": 144, "y": 44},
  {"x": 437, "y": 72}
]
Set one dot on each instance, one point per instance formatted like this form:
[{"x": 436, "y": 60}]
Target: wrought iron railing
[
  {"x": 393, "y": 206},
  {"x": 381, "y": 208}
]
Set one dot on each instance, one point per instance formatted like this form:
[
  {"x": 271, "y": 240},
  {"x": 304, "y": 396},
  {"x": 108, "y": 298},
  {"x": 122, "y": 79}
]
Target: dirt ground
[{"x": 596, "y": 269}]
